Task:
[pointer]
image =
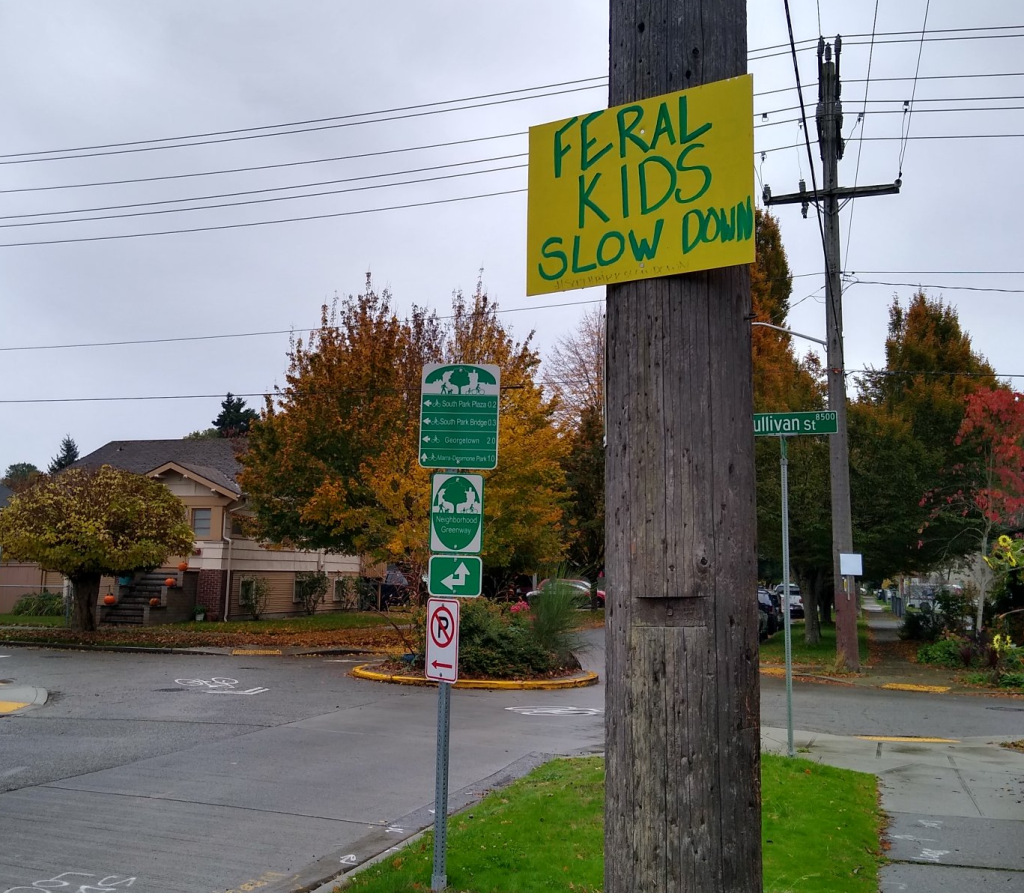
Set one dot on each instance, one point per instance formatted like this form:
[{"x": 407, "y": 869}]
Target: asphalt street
[{"x": 224, "y": 773}]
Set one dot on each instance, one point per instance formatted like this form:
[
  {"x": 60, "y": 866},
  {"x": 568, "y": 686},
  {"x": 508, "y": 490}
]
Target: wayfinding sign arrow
[
  {"x": 455, "y": 575},
  {"x": 459, "y": 415}
]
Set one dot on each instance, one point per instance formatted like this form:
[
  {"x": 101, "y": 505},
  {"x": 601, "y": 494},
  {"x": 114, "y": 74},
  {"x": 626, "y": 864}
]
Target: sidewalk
[{"x": 956, "y": 809}]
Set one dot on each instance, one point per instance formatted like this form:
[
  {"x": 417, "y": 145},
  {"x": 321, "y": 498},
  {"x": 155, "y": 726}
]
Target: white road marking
[
  {"x": 556, "y": 711},
  {"x": 932, "y": 855},
  {"x": 394, "y": 830},
  {"x": 350, "y": 859}
]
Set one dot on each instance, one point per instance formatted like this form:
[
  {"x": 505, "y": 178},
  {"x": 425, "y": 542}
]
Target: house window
[{"x": 201, "y": 519}]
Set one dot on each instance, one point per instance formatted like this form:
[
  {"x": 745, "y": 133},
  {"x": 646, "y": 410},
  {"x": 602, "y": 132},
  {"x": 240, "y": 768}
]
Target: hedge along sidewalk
[{"x": 821, "y": 829}]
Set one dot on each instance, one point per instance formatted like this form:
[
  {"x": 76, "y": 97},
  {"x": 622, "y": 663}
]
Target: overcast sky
[{"x": 85, "y": 73}]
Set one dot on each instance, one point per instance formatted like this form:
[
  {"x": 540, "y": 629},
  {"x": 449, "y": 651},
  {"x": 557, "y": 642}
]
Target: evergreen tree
[
  {"x": 68, "y": 454},
  {"x": 235, "y": 417}
]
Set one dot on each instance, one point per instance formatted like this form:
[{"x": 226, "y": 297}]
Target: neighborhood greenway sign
[
  {"x": 459, "y": 416},
  {"x": 656, "y": 187},
  {"x": 456, "y": 513}
]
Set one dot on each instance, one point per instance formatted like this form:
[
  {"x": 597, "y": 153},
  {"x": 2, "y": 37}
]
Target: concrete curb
[
  {"x": 214, "y": 651},
  {"x": 578, "y": 681},
  {"x": 21, "y": 697}
]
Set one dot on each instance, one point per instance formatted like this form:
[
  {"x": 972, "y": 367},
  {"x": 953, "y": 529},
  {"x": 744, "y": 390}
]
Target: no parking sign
[{"x": 442, "y": 657}]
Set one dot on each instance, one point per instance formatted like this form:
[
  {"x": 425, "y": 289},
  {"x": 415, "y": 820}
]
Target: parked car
[
  {"x": 796, "y": 601},
  {"x": 766, "y": 608},
  {"x": 577, "y": 583}
]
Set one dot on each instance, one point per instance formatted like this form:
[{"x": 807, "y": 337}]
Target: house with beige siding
[{"x": 203, "y": 475}]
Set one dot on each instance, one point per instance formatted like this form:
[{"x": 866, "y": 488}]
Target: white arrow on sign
[{"x": 457, "y": 577}]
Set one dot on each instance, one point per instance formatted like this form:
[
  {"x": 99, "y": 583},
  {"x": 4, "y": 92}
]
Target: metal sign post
[
  {"x": 783, "y": 425},
  {"x": 442, "y": 665},
  {"x": 786, "y": 620},
  {"x": 458, "y": 427}
]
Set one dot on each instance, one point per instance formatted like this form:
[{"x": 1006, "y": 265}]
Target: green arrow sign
[
  {"x": 459, "y": 416},
  {"x": 456, "y": 513},
  {"x": 787, "y": 424},
  {"x": 459, "y": 575}
]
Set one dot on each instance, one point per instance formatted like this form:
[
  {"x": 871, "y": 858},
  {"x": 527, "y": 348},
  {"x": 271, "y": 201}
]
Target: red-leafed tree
[{"x": 987, "y": 486}]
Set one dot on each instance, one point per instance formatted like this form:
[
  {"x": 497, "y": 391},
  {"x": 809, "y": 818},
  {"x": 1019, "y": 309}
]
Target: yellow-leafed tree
[{"x": 333, "y": 462}]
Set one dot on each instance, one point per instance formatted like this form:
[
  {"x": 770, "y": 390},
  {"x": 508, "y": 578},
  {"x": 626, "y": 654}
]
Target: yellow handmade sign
[{"x": 657, "y": 187}]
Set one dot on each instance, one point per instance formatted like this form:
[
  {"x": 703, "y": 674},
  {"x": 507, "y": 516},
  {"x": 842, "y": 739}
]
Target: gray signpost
[
  {"x": 458, "y": 430},
  {"x": 783, "y": 425}
]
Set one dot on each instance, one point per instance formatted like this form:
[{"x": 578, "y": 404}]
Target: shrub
[
  {"x": 555, "y": 620},
  {"x": 310, "y": 589},
  {"x": 40, "y": 604},
  {"x": 498, "y": 643},
  {"x": 253, "y": 594},
  {"x": 921, "y": 626},
  {"x": 952, "y": 652}
]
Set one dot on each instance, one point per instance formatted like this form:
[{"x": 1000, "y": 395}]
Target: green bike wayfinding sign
[
  {"x": 459, "y": 416},
  {"x": 787, "y": 424},
  {"x": 455, "y": 575},
  {"x": 456, "y": 513}
]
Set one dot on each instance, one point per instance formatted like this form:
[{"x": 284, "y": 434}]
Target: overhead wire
[
  {"x": 432, "y": 108},
  {"x": 860, "y": 145},
  {"x": 913, "y": 89}
]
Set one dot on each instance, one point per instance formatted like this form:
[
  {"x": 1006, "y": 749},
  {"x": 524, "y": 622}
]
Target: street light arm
[{"x": 769, "y": 325}]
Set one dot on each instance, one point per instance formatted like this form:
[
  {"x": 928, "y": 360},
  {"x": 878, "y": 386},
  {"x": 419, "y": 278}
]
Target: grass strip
[
  {"x": 545, "y": 832},
  {"x": 822, "y": 654},
  {"x": 29, "y": 620}
]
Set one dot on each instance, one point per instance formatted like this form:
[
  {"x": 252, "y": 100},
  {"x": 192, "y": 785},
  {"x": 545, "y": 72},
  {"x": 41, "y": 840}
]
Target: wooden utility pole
[
  {"x": 683, "y": 793},
  {"x": 829, "y": 116}
]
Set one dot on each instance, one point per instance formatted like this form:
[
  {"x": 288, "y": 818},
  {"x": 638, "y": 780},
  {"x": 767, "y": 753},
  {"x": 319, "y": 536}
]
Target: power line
[
  {"x": 942, "y": 286},
  {"x": 423, "y": 109},
  {"x": 204, "y": 229},
  {"x": 860, "y": 145},
  {"x": 318, "y": 128},
  {"x": 311, "y": 185},
  {"x": 803, "y": 121},
  {"x": 241, "y": 130},
  {"x": 913, "y": 90},
  {"x": 179, "y": 339},
  {"x": 450, "y": 143},
  {"x": 258, "y": 201},
  {"x": 183, "y": 338}
]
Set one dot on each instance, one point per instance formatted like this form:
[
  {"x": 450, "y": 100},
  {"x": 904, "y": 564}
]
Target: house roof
[
  {"x": 5, "y": 494},
  {"x": 213, "y": 460}
]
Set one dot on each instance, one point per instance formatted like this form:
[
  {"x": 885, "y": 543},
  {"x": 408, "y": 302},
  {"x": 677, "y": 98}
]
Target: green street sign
[
  {"x": 459, "y": 416},
  {"x": 787, "y": 424},
  {"x": 455, "y": 575},
  {"x": 456, "y": 513}
]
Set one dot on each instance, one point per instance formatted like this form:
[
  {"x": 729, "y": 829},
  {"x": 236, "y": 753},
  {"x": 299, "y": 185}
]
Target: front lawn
[
  {"x": 820, "y": 834},
  {"x": 29, "y": 620},
  {"x": 368, "y": 630},
  {"x": 289, "y": 625},
  {"x": 821, "y": 654}
]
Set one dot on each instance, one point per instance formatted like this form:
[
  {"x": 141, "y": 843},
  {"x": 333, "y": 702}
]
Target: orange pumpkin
[
  {"x": 109, "y": 600},
  {"x": 170, "y": 581},
  {"x": 183, "y": 566},
  {"x": 154, "y": 602}
]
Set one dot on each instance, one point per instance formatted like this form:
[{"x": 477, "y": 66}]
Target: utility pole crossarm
[{"x": 796, "y": 198}]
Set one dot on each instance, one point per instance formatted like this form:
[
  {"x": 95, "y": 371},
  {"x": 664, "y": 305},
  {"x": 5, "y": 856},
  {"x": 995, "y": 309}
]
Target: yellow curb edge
[{"x": 361, "y": 672}]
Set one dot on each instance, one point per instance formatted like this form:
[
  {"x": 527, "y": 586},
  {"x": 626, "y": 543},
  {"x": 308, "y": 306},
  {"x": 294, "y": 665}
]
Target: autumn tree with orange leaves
[{"x": 332, "y": 463}]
